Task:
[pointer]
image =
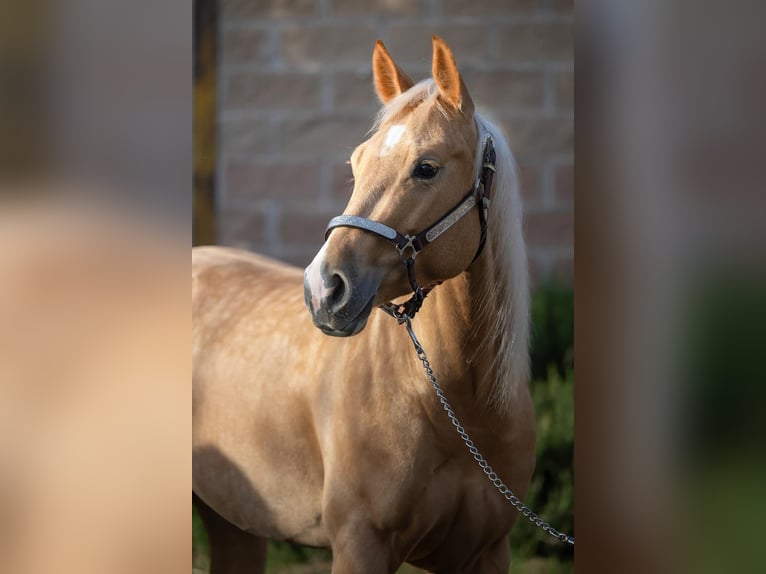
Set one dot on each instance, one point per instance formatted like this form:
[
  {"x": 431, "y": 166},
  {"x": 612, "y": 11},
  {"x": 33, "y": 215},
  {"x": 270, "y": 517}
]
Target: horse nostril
[{"x": 339, "y": 290}]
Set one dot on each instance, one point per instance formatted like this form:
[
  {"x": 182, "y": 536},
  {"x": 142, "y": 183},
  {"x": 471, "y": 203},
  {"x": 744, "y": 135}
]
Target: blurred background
[
  {"x": 283, "y": 94},
  {"x": 95, "y": 107},
  {"x": 95, "y": 178}
]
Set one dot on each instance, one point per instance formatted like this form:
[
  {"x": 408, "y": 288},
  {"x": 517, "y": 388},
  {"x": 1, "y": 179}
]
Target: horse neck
[{"x": 462, "y": 327}]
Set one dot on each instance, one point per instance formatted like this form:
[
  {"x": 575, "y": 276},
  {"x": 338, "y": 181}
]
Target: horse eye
[{"x": 425, "y": 171}]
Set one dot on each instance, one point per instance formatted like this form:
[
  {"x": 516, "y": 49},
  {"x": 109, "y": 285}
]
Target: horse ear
[
  {"x": 450, "y": 84},
  {"x": 390, "y": 80}
]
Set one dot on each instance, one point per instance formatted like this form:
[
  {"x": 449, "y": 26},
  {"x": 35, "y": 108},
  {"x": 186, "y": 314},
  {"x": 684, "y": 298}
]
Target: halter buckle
[{"x": 403, "y": 249}]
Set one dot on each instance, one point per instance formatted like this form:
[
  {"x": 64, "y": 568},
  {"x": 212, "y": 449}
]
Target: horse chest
[{"x": 403, "y": 473}]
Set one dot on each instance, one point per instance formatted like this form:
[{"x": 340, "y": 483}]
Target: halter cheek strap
[{"x": 409, "y": 246}]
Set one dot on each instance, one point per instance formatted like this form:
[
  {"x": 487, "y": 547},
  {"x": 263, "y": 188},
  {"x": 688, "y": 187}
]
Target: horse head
[{"x": 417, "y": 165}]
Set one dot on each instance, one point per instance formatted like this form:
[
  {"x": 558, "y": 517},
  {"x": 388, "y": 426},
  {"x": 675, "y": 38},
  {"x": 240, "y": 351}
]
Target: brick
[
  {"x": 323, "y": 136},
  {"x": 565, "y": 90},
  {"x": 501, "y": 88},
  {"x": 273, "y": 90},
  {"x": 239, "y": 226},
  {"x": 536, "y": 41},
  {"x": 377, "y": 8},
  {"x": 540, "y": 136},
  {"x": 303, "y": 228},
  {"x": 244, "y": 9},
  {"x": 342, "y": 182},
  {"x": 244, "y": 136},
  {"x": 246, "y": 47},
  {"x": 338, "y": 44},
  {"x": 412, "y": 43},
  {"x": 484, "y": 7},
  {"x": 549, "y": 229},
  {"x": 354, "y": 92},
  {"x": 564, "y": 189},
  {"x": 284, "y": 182},
  {"x": 529, "y": 180}
]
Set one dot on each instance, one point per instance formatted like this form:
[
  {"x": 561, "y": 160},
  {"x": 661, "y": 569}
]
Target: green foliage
[
  {"x": 200, "y": 544},
  {"x": 537, "y": 565},
  {"x": 551, "y": 492},
  {"x": 552, "y": 340},
  {"x": 282, "y": 554}
]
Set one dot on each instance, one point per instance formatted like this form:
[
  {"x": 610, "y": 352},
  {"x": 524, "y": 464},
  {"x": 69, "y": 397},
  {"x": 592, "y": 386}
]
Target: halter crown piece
[{"x": 409, "y": 246}]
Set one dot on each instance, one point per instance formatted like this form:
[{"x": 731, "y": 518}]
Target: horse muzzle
[{"x": 339, "y": 302}]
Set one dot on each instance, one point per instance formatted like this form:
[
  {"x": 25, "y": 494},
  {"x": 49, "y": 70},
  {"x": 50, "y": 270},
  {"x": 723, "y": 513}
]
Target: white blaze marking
[
  {"x": 313, "y": 277},
  {"x": 393, "y": 136}
]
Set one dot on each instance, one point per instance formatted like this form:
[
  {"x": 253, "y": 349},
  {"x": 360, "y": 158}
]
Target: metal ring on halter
[{"x": 402, "y": 250}]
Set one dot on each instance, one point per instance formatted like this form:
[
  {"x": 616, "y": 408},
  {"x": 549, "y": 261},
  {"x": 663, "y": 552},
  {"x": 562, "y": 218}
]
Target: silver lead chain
[{"x": 477, "y": 456}]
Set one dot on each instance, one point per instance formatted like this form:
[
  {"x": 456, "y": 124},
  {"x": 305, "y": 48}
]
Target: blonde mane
[{"x": 504, "y": 302}]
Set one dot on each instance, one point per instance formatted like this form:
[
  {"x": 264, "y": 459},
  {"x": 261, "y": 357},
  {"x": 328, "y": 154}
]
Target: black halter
[{"x": 409, "y": 246}]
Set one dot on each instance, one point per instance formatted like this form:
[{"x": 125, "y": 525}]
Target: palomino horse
[{"x": 339, "y": 441}]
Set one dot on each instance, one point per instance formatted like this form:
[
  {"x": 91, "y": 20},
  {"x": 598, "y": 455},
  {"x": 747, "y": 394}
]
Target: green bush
[
  {"x": 551, "y": 492},
  {"x": 552, "y": 331},
  {"x": 200, "y": 544}
]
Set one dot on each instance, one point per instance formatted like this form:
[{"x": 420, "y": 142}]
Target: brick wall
[{"x": 295, "y": 97}]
